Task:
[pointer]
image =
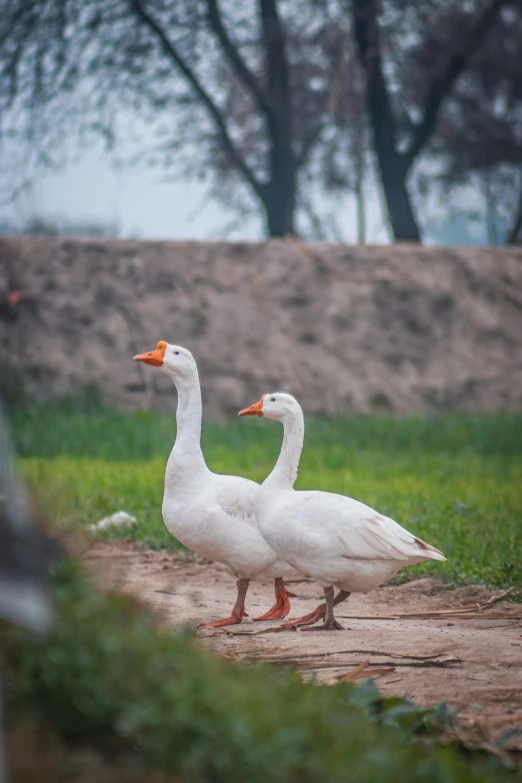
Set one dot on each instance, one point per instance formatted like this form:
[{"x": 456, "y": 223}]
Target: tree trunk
[
  {"x": 360, "y": 160},
  {"x": 393, "y": 166},
  {"x": 517, "y": 224},
  {"x": 491, "y": 208},
  {"x": 401, "y": 216},
  {"x": 279, "y": 196},
  {"x": 361, "y": 211},
  {"x": 279, "y": 206}
]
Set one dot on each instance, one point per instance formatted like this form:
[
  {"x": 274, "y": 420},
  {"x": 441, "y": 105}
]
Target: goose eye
[
  {"x": 272, "y": 399},
  {"x": 177, "y": 353}
]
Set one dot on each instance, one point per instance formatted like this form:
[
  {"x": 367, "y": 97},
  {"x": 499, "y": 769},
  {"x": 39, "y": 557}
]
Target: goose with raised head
[
  {"x": 332, "y": 538},
  {"x": 212, "y": 514}
]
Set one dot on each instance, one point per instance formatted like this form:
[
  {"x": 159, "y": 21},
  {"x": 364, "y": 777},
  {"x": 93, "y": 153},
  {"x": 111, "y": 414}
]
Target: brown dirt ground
[{"x": 473, "y": 662}]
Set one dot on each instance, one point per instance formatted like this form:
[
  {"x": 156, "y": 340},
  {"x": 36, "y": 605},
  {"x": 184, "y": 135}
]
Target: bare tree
[
  {"x": 265, "y": 100},
  {"x": 220, "y": 81},
  {"x": 480, "y": 132},
  {"x": 405, "y": 90}
]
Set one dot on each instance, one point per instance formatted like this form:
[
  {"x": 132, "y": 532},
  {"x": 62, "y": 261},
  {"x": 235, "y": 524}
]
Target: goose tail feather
[{"x": 429, "y": 551}]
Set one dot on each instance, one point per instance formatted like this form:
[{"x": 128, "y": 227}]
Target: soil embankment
[{"x": 401, "y": 328}]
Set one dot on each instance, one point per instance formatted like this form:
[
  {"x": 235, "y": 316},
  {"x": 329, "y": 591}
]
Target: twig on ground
[
  {"x": 360, "y": 652},
  {"x": 315, "y": 666},
  {"x": 354, "y": 673}
]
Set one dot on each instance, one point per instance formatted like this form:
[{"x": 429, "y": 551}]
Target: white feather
[
  {"x": 211, "y": 514},
  {"x": 332, "y": 538}
]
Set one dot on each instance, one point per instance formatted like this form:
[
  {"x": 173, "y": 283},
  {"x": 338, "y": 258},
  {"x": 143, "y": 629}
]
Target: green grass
[{"x": 455, "y": 481}]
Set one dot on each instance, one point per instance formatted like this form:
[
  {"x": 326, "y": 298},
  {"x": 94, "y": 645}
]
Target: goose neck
[
  {"x": 187, "y": 453},
  {"x": 189, "y": 411},
  {"x": 286, "y": 468}
]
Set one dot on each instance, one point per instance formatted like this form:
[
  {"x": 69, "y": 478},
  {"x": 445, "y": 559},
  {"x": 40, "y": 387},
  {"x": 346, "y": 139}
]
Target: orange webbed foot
[
  {"x": 232, "y": 620},
  {"x": 282, "y": 603}
]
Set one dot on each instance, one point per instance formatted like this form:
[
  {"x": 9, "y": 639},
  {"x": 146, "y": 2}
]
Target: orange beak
[
  {"x": 155, "y": 358},
  {"x": 254, "y": 410}
]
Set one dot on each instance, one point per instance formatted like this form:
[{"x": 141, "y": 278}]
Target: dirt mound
[{"x": 398, "y": 328}]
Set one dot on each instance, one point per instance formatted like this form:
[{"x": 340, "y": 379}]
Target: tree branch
[
  {"x": 242, "y": 70},
  {"x": 203, "y": 95},
  {"x": 328, "y": 99},
  {"x": 281, "y": 154},
  {"x": 442, "y": 85},
  {"x": 365, "y": 19},
  {"x": 19, "y": 15},
  {"x": 308, "y": 143},
  {"x": 277, "y": 62}
]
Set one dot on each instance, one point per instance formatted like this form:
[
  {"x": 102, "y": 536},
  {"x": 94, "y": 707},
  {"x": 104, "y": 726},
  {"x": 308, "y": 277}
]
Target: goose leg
[
  {"x": 238, "y": 612},
  {"x": 282, "y": 605},
  {"x": 321, "y": 612},
  {"x": 330, "y": 623}
]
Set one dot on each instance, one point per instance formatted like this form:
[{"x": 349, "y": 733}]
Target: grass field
[{"x": 453, "y": 480}]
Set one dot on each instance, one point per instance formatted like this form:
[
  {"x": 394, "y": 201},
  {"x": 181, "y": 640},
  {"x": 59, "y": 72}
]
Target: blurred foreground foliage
[{"x": 113, "y": 698}]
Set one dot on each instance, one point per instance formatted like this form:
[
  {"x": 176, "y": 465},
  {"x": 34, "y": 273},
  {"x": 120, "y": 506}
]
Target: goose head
[
  {"x": 277, "y": 406},
  {"x": 173, "y": 360}
]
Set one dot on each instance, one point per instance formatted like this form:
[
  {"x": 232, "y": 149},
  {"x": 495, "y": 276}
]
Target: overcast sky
[{"x": 143, "y": 205}]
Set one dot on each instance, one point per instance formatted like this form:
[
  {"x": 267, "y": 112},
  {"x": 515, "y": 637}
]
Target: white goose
[
  {"x": 212, "y": 514},
  {"x": 332, "y": 538}
]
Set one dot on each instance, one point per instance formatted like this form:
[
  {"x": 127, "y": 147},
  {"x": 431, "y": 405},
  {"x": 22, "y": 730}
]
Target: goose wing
[
  {"x": 358, "y": 531},
  {"x": 236, "y": 496}
]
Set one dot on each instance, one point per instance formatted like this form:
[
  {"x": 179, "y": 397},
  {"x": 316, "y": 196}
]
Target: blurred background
[{"x": 344, "y": 120}]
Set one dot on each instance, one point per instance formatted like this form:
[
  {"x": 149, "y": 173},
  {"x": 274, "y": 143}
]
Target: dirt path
[{"x": 473, "y": 662}]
